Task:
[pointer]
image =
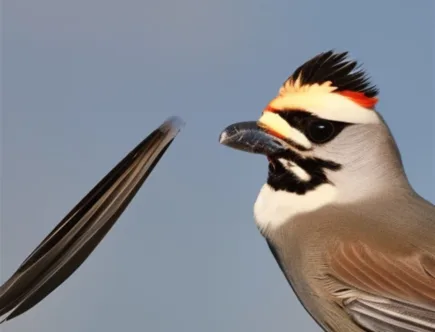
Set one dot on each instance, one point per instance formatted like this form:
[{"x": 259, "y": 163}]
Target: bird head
[{"x": 321, "y": 132}]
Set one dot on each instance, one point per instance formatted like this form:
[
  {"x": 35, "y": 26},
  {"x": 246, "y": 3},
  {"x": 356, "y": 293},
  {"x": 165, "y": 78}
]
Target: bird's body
[
  {"x": 354, "y": 240},
  {"x": 323, "y": 258}
]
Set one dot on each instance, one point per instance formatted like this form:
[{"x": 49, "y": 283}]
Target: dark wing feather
[{"x": 76, "y": 236}]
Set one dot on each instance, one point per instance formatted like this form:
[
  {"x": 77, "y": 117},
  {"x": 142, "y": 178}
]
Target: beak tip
[{"x": 223, "y": 137}]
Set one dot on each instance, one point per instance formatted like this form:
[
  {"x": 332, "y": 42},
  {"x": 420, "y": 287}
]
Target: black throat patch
[{"x": 279, "y": 178}]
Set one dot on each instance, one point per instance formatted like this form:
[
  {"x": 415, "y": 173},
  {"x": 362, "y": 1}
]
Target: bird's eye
[{"x": 320, "y": 131}]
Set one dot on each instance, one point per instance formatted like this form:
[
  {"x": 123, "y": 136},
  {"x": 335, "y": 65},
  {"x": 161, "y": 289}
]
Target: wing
[
  {"x": 76, "y": 236},
  {"x": 384, "y": 291}
]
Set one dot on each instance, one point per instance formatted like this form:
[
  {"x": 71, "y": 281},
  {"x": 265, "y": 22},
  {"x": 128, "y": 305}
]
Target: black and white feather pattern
[{"x": 77, "y": 235}]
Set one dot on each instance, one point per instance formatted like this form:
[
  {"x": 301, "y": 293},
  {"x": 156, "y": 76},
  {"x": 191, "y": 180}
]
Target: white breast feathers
[{"x": 274, "y": 208}]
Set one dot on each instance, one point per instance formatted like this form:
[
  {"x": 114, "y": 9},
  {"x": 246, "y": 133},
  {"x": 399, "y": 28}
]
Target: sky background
[{"x": 84, "y": 81}]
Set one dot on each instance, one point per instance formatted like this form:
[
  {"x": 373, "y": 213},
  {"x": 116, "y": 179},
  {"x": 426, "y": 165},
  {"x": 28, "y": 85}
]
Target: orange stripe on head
[
  {"x": 360, "y": 98},
  {"x": 274, "y": 133},
  {"x": 269, "y": 108}
]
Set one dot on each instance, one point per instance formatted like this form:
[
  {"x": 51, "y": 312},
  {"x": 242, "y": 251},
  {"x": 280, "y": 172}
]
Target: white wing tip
[
  {"x": 172, "y": 125},
  {"x": 5, "y": 316}
]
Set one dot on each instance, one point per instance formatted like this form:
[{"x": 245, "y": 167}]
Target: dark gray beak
[{"x": 249, "y": 137}]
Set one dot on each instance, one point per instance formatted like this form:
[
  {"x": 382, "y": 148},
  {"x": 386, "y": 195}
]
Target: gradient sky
[{"x": 84, "y": 81}]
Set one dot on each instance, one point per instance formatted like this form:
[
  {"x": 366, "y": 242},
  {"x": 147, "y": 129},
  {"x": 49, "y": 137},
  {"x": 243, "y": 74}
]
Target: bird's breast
[{"x": 274, "y": 208}]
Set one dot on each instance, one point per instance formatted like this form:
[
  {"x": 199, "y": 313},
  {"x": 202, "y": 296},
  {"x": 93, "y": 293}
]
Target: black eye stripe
[
  {"x": 296, "y": 119},
  {"x": 302, "y": 119},
  {"x": 280, "y": 178}
]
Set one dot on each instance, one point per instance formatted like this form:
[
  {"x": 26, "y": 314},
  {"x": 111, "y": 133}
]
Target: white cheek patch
[
  {"x": 282, "y": 127},
  {"x": 331, "y": 106},
  {"x": 295, "y": 169},
  {"x": 274, "y": 208}
]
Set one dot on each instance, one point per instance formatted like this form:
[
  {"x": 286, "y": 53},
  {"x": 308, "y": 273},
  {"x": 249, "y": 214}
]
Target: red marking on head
[
  {"x": 360, "y": 98},
  {"x": 269, "y": 108}
]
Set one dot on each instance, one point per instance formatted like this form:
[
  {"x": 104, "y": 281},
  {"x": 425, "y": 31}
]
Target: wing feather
[
  {"x": 383, "y": 290},
  {"x": 76, "y": 236}
]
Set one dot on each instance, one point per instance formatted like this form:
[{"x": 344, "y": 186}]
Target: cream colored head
[
  {"x": 327, "y": 86},
  {"x": 323, "y": 138}
]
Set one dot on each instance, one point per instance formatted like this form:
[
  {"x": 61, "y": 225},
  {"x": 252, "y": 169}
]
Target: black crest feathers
[{"x": 344, "y": 74}]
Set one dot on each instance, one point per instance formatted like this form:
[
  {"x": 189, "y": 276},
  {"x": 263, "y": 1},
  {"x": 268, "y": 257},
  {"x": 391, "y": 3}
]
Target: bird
[
  {"x": 76, "y": 236},
  {"x": 352, "y": 237}
]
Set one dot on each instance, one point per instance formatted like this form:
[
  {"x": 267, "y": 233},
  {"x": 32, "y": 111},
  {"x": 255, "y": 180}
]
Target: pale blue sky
[{"x": 84, "y": 81}]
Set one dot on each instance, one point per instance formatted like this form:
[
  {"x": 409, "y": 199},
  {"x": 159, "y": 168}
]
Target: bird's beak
[{"x": 253, "y": 137}]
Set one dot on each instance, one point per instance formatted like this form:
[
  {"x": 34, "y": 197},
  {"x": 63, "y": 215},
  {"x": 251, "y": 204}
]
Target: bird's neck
[
  {"x": 273, "y": 208},
  {"x": 276, "y": 207}
]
